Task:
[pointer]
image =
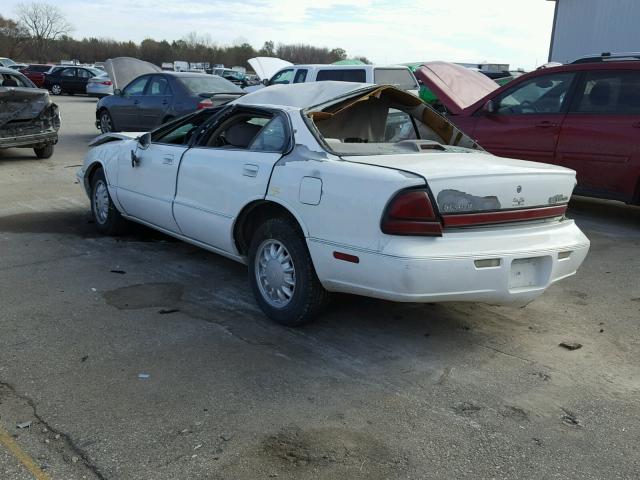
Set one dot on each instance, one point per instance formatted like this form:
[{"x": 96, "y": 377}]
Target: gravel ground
[{"x": 115, "y": 389}]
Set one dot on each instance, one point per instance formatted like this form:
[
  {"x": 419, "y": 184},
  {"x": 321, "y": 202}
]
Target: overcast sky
[{"x": 385, "y": 31}]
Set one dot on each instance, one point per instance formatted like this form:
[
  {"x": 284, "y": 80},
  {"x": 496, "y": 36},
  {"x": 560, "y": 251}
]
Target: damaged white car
[
  {"x": 342, "y": 187},
  {"x": 28, "y": 118}
]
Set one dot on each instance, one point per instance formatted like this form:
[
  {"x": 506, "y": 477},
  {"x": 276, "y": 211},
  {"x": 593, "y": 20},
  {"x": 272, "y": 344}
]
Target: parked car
[
  {"x": 28, "y": 118},
  {"x": 342, "y": 187},
  {"x": 35, "y": 72},
  {"x": 69, "y": 79},
  {"x": 156, "y": 98},
  {"x": 399, "y": 76},
  {"x": 100, "y": 86},
  {"x": 6, "y": 62},
  {"x": 584, "y": 116}
]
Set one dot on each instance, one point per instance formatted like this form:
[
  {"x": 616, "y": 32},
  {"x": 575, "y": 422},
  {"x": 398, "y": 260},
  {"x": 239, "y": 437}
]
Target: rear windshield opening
[
  {"x": 398, "y": 77},
  {"x": 386, "y": 121}
]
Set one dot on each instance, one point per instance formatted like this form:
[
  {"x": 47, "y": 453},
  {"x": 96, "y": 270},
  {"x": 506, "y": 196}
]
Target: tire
[
  {"x": 298, "y": 297},
  {"x": 106, "y": 216},
  {"x": 106, "y": 122},
  {"x": 56, "y": 89},
  {"x": 44, "y": 152}
]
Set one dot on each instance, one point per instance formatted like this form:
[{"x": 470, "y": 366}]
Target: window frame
[{"x": 579, "y": 92}]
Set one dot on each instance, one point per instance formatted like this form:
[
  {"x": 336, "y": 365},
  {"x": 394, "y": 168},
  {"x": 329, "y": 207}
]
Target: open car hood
[
  {"x": 21, "y": 103},
  {"x": 122, "y": 70},
  {"x": 266, "y": 67},
  {"x": 455, "y": 86}
]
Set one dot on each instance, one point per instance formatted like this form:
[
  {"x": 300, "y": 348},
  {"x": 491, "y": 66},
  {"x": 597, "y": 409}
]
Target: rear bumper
[{"x": 450, "y": 268}]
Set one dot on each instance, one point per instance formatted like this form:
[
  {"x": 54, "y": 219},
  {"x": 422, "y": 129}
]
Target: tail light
[
  {"x": 107, "y": 82},
  {"x": 410, "y": 212},
  {"x": 206, "y": 103}
]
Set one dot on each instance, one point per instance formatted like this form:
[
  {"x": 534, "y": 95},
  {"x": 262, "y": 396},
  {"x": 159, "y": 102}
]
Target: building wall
[{"x": 584, "y": 27}]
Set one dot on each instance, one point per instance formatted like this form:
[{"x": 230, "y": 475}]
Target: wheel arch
[{"x": 254, "y": 213}]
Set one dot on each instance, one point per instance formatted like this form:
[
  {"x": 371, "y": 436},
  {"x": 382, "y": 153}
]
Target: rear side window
[
  {"x": 68, "y": 72},
  {"x": 346, "y": 75},
  {"x": 398, "y": 77},
  {"x": 82, "y": 73},
  {"x": 610, "y": 92}
]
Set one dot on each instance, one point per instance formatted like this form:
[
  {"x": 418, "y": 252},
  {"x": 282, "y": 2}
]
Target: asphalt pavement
[{"x": 142, "y": 357}]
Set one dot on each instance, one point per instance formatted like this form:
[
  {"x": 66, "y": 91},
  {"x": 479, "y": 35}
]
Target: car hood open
[
  {"x": 266, "y": 67},
  {"x": 19, "y": 103},
  {"x": 122, "y": 70},
  {"x": 455, "y": 86}
]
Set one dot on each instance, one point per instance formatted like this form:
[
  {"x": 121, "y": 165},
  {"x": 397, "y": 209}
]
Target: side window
[
  {"x": 136, "y": 87},
  {"x": 544, "y": 94},
  {"x": 68, "y": 72},
  {"x": 282, "y": 77},
  {"x": 301, "y": 76},
  {"x": 179, "y": 133},
  {"x": 272, "y": 137},
  {"x": 343, "y": 75},
  {"x": 82, "y": 73},
  {"x": 399, "y": 127},
  {"x": 239, "y": 131},
  {"x": 610, "y": 92},
  {"x": 8, "y": 80},
  {"x": 158, "y": 86}
]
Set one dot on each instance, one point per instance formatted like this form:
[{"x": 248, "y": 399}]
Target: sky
[{"x": 385, "y": 31}]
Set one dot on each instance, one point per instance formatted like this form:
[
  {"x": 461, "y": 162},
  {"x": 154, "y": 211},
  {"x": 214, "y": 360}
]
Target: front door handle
[
  {"x": 546, "y": 124},
  {"x": 250, "y": 170},
  {"x": 136, "y": 102}
]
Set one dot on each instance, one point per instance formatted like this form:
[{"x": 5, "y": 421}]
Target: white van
[{"x": 396, "y": 75}]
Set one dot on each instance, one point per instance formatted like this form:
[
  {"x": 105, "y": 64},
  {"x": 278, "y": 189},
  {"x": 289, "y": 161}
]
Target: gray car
[
  {"x": 100, "y": 86},
  {"x": 156, "y": 98}
]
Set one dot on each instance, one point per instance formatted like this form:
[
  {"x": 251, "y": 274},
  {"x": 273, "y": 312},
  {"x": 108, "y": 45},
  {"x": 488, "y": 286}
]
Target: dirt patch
[
  {"x": 333, "y": 449},
  {"x": 145, "y": 295}
]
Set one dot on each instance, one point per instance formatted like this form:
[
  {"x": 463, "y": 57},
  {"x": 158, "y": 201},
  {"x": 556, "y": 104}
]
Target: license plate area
[{"x": 528, "y": 273}]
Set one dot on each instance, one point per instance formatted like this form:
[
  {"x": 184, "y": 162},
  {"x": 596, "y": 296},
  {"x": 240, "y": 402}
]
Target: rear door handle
[
  {"x": 546, "y": 124},
  {"x": 167, "y": 159},
  {"x": 250, "y": 170}
]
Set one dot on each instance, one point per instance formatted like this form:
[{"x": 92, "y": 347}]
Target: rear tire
[
  {"x": 44, "y": 152},
  {"x": 106, "y": 216},
  {"x": 56, "y": 89},
  {"x": 282, "y": 276}
]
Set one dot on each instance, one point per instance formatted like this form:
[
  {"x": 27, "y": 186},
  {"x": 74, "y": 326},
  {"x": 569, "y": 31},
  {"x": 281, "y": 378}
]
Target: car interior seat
[
  {"x": 600, "y": 94},
  {"x": 241, "y": 134}
]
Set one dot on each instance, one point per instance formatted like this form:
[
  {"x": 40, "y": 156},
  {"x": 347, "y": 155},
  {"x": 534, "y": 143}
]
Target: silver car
[{"x": 100, "y": 86}]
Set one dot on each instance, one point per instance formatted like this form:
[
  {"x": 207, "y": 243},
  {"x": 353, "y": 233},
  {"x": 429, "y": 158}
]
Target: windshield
[
  {"x": 385, "y": 121},
  {"x": 398, "y": 77},
  {"x": 209, "y": 84}
]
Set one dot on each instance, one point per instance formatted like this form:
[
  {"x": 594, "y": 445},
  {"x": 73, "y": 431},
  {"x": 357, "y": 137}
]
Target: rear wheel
[
  {"x": 44, "y": 152},
  {"x": 282, "y": 276},
  {"x": 106, "y": 122},
  {"x": 106, "y": 216},
  {"x": 56, "y": 89}
]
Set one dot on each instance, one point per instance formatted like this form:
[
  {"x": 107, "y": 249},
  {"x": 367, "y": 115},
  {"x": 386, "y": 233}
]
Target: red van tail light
[{"x": 410, "y": 212}]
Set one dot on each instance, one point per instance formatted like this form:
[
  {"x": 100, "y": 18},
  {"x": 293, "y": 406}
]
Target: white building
[{"x": 587, "y": 27}]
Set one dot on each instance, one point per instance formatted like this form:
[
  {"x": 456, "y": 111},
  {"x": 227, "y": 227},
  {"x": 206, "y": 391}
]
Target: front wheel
[
  {"x": 282, "y": 276},
  {"x": 106, "y": 122},
  {"x": 56, "y": 89},
  {"x": 44, "y": 152},
  {"x": 106, "y": 216}
]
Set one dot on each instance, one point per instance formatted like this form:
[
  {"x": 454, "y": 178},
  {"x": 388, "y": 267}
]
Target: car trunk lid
[
  {"x": 480, "y": 183},
  {"x": 17, "y": 103}
]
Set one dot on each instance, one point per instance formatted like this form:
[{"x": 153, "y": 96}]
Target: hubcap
[
  {"x": 56, "y": 89},
  {"x": 275, "y": 273},
  {"x": 105, "y": 123},
  {"x": 101, "y": 202}
]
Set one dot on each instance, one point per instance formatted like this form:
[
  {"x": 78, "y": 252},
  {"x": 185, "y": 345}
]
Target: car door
[
  {"x": 155, "y": 102},
  {"x": 146, "y": 187},
  {"x": 82, "y": 77},
  {"x": 230, "y": 167},
  {"x": 526, "y": 119},
  {"x": 67, "y": 78},
  {"x": 125, "y": 108},
  {"x": 600, "y": 135}
]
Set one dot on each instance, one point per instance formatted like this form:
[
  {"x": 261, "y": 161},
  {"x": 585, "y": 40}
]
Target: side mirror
[
  {"x": 489, "y": 107},
  {"x": 265, "y": 82},
  {"x": 117, "y": 91},
  {"x": 144, "y": 141}
]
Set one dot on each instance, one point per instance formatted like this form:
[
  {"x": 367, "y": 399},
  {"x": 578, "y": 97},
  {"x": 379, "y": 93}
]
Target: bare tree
[{"x": 45, "y": 24}]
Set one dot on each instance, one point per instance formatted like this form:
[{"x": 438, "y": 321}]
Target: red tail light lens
[
  {"x": 107, "y": 82},
  {"x": 410, "y": 213},
  {"x": 206, "y": 103}
]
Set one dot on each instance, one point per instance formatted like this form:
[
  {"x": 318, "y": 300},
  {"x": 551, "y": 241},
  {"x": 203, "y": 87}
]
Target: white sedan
[{"x": 342, "y": 187}]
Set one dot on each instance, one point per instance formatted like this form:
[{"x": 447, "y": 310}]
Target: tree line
[{"x": 41, "y": 34}]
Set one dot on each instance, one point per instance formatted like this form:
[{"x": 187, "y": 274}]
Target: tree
[
  {"x": 12, "y": 38},
  {"x": 45, "y": 24},
  {"x": 268, "y": 49},
  {"x": 338, "y": 54}
]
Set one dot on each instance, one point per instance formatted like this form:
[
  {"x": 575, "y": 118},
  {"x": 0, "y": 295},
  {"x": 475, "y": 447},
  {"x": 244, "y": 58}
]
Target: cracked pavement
[{"x": 210, "y": 389}]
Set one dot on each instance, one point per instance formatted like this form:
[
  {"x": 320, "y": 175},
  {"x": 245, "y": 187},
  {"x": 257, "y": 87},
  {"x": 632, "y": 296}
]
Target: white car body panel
[{"x": 338, "y": 203}]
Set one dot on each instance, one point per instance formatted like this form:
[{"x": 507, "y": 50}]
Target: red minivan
[
  {"x": 584, "y": 116},
  {"x": 35, "y": 72}
]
